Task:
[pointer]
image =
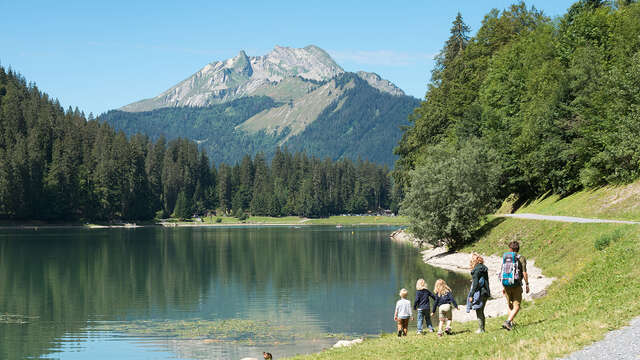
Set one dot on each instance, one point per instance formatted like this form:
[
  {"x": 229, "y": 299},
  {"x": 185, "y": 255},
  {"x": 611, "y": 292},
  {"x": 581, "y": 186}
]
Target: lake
[{"x": 201, "y": 293}]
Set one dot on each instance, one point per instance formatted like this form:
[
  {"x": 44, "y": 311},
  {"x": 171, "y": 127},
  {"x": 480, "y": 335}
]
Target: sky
[{"x": 101, "y": 55}]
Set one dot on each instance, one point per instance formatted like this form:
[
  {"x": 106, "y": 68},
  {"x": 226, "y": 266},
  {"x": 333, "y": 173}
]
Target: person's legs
[
  {"x": 480, "y": 315},
  {"x": 399, "y": 327},
  {"x": 513, "y": 295},
  {"x": 516, "y": 299},
  {"x": 427, "y": 317},
  {"x": 405, "y": 326},
  {"x": 421, "y": 315}
]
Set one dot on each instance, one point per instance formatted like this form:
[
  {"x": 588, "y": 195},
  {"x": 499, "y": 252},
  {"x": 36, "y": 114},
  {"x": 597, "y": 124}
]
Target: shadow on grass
[
  {"x": 460, "y": 332},
  {"x": 521, "y": 326},
  {"x": 484, "y": 229}
]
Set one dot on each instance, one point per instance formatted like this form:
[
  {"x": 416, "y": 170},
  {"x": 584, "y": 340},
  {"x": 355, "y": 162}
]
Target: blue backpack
[{"x": 510, "y": 272}]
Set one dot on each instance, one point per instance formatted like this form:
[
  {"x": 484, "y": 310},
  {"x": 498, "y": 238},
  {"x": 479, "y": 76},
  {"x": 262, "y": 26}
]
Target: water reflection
[{"x": 322, "y": 279}]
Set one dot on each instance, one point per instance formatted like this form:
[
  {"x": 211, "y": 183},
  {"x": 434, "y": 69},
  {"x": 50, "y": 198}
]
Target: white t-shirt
[{"x": 403, "y": 309}]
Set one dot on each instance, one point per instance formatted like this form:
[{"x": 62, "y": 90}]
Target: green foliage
[
  {"x": 554, "y": 99},
  {"x": 183, "y": 207},
  {"x": 56, "y": 165},
  {"x": 452, "y": 192},
  {"x": 605, "y": 240}
]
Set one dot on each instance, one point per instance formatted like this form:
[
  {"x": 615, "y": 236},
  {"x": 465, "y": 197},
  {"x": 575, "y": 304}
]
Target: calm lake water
[{"x": 200, "y": 293}]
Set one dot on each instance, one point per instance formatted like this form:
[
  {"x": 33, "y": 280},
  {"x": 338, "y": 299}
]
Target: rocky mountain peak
[
  {"x": 309, "y": 62},
  {"x": 280, "y": 74}
]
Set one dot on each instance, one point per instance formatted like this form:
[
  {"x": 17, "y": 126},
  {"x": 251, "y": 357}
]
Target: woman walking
[{"x": 479, "y": 292}]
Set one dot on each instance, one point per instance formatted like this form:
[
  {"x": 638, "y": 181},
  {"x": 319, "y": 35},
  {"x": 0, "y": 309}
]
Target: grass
[
  {"x": 596, "y": 290},
  {"x": 617, "y": 203}
]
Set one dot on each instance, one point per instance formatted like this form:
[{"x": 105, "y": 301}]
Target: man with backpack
[{"x": 514, "y": 270}]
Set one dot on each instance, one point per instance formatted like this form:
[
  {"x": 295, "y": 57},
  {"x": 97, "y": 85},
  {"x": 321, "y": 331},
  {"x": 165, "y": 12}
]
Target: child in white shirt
[{"x": 403, "y": 313}]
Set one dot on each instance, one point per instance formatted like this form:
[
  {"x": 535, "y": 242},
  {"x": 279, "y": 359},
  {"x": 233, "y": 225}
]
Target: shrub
[
  {"x": 451, "y": 192},
  {"x": 605, "y": 240}
]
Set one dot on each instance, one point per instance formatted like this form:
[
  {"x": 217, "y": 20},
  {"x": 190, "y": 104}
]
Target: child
[
  {"x": 422, "y": 304},
  {"x": 403, "y": 313},
  {"x": 444, "y": 299}
]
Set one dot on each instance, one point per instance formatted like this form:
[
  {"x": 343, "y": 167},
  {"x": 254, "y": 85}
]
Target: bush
[
  {"x": 603, "y": 241},
  {"x": 452, "y": 192}
]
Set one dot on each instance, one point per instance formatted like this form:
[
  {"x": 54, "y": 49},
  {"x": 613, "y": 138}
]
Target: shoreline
[
  {"x": 171, "y": 225},
  {"x": 459, "y": 262}
]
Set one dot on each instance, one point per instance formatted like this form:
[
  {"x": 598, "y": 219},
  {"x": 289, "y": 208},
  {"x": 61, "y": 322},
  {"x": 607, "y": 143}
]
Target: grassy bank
[
  {"x": 618, "y": 203},
  {"x": 596, "y": 291}
]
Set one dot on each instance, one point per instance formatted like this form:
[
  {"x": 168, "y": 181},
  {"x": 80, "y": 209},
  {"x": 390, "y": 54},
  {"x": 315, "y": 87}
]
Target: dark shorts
[
  {"x": 404, "y": 323},
  {"x": 513, "y": 295}
]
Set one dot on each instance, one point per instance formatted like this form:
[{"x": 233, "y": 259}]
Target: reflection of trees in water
[{"x": 69, "y": 277}]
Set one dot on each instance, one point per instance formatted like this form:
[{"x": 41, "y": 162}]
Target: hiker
[
  {"x": 403, "y": 313},
  {"x": 479, "y": 292},
  {"x": 444, "y": 300},
  {"x": 514, "y": 270},
  {"x": 421, "y": 304}
]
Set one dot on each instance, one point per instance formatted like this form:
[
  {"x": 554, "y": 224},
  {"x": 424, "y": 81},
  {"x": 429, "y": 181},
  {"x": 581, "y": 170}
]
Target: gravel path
[
  {"x": 565, "y": 219},
  {"x": 618, "y": 344}
]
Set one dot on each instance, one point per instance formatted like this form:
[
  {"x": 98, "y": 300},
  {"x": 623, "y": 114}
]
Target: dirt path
[{"x": 565, "y": 219}]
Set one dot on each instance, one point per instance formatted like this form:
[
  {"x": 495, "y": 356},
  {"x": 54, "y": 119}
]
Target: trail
[
  {"x": 618, "y": 344},
  {"x": 570, "y": 219}
]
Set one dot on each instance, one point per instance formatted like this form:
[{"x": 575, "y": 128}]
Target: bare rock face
[
  {"x": 379, "y": 83},
  {"x": 285, "y": 74}
]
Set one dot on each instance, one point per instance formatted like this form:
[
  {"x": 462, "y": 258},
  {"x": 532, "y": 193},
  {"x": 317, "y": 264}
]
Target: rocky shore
[{"x": 459, "y": 262}]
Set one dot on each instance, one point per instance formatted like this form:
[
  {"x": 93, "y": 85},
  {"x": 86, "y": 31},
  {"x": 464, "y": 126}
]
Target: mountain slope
[{"x": 299, "y": 98}]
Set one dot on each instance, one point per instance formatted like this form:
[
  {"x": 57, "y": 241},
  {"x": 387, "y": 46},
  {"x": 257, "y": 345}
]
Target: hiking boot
[
  {"x": 507, "y": 325},
  {"x": 418, "y": 332},
  {"x": 399, "y": 333},
  {"x": 431, "y": 330},
  {"x": 448, "y": 331}
]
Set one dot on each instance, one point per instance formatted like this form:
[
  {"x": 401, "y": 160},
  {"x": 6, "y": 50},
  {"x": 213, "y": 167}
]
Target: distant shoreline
[{"x": 228, "y": 222}]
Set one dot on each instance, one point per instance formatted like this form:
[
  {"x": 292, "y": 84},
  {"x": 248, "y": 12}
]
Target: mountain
[{"x": 298, "y": 98}]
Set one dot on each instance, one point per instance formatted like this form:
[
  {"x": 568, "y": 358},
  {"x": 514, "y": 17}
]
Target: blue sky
[{"x": 102, "y": 55}]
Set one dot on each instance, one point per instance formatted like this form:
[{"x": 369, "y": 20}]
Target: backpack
[{"x": 510, "y": 273}]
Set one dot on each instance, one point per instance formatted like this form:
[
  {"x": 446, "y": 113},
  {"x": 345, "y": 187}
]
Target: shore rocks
[
  {"x": 404, "y": 236},
  {"x": 343, "y": 343}
]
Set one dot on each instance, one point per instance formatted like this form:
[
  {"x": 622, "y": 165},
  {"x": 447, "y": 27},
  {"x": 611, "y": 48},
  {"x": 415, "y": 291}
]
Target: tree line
[
  {"x": 528, "y": 105},
  {"x": 57, "y": 165}
]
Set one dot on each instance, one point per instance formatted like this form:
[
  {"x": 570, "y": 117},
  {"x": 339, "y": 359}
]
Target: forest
[
  {"x": 527, "y": 106},
  {"x": 57, "y": 165}
]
